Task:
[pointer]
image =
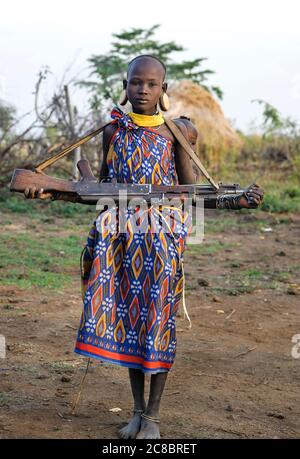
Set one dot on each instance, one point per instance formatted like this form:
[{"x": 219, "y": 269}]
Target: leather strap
[
  {"x": 171, "y": 125},
  {"x": 186, "y": 146},
  {"x": 47, "y": 162}
]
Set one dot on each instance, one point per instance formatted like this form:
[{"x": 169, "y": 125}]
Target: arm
[{"x": 108, "y": 133}]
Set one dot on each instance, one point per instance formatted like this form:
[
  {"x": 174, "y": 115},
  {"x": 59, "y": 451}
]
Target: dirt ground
[{"x": 234, "y": 375}]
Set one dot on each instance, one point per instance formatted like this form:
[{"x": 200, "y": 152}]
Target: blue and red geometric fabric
[{"x": 133, "y": 281}]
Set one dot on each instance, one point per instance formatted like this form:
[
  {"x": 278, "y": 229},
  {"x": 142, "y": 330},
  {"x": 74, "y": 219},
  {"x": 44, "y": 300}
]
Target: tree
[
  {"x": 54, "y": 124},
  {"x": 109, "y": 69},
  {"x": 7, "y": 116}
]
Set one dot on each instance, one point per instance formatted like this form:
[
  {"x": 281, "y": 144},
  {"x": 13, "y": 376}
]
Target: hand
[
  {"x": 252, "y": 197},
  {"x": 35, "y": 193}
]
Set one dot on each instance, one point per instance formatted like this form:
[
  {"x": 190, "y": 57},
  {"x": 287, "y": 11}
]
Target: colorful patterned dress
[{"x": 133, "y": 281}]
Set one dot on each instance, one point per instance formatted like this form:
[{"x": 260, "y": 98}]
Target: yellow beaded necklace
[{"x": 146, "y": 120}]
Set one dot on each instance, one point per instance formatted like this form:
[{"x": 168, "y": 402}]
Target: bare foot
[
  {"x": 132, "y": 428},
  {"x": 148, "y": 430}
]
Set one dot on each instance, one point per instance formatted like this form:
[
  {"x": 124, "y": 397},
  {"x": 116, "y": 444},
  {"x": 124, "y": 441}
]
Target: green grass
[
  {"x": 61, "y": 367},
  {"x": 247, "y": 281},
  {"x": 43, "y": 262},
  {"x": 252, "y": 273},
  {"x": 281, "y": 202},
  {"x": 207, "y": 249},
  {"x": 218, "y": 225},
  {"x": 8, "y": 399}
]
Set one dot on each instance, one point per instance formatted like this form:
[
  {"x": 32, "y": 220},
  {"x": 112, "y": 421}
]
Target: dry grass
[{"x": 217, "y": 138}]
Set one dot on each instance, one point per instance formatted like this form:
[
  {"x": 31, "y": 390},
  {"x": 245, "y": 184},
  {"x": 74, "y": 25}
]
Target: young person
[{"x": 133, "y": 281}]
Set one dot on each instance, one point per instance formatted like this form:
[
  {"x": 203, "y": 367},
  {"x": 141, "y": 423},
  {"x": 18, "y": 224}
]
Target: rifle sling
[
  {"x": 188, "y": 149},
  {"x": 47, "y": 162}
]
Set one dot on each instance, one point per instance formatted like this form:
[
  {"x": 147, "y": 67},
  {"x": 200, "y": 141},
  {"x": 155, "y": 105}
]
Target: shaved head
[{"x": 147, "y": 59}]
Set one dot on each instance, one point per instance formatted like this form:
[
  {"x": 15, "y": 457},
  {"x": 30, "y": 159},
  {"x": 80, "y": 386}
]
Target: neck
[{"x": 149, "y": 112}]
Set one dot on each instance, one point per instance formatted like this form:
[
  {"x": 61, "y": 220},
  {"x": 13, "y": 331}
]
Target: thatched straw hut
[{"x": 217, "y": 139}]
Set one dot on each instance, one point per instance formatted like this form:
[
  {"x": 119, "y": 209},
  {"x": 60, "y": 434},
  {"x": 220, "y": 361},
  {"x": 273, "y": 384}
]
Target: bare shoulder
[
  {"x": 108, "y": 133},
  {"x": 187, "y": 128}
]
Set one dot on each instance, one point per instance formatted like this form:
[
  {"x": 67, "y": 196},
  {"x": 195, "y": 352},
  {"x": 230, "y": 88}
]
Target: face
[{"x": 144, "y": 85}]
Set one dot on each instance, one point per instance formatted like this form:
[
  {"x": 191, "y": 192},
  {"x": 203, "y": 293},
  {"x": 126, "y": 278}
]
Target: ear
[
  {"x": 124, "y": 84},
  {"x": 165, "y": 87}
]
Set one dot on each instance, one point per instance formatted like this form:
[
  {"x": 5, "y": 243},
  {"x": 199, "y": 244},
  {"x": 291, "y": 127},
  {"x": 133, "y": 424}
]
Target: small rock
[
  {"x": 65, "y": 379},
  {"x": 293, "y": 290},
  {"x": 267, "y": 230},
  {"x": 203, "y": 282},
  {"x": 228, "y": 408},
  {"x": 217, "y": 299},
  {"x": 276, "y": 415},
  {"x": 115, "y": 410},
  {"x": 281, "y": 254},
  {"x": 235, "y": 264},
  {"x": 42, "y": 376}
]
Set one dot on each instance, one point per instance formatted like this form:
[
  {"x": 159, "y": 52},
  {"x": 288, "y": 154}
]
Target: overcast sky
[{"x": 252, "y": 45}]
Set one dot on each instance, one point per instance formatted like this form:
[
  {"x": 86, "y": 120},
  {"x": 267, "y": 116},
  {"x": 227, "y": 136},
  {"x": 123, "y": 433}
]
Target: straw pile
[{"x": 217, "y": 139}]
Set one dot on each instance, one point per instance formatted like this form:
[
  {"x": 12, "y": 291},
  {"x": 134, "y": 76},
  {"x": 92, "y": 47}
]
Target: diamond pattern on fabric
[{"x": 132, "y": 282}]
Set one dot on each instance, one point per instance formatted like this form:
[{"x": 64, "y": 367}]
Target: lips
[{"x": 142, "y": 100}]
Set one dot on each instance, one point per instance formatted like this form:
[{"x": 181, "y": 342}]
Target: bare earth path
[{"x": 234, "y": 375}]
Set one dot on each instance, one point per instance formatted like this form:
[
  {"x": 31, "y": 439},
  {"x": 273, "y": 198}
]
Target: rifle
[{"x": 88, "y": 190}]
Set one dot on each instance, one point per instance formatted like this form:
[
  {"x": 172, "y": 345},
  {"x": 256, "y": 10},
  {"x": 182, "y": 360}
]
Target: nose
[{"x": 143, "y": 88}]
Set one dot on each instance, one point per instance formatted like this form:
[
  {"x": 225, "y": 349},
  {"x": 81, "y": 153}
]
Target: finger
[
  {"x": 253, "y": 198},
  {"x": 26, "y": 192},
  {"x": 256, "y": 191},
  {"x": 260, "y": 196},
  {"x": 257, "y": 199},
  {"x": 256, "y": 195},
  {"x": 32, "y": 192}
]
